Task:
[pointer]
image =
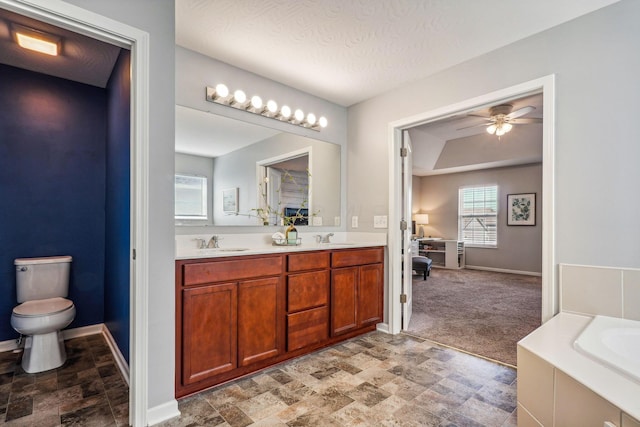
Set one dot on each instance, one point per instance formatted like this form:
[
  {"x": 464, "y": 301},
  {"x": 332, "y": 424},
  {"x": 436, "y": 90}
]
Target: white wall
[
  {"x": 156, "y": 17},
  {"x": 519, "y": 247},
  {"x": 597, "y": 67}
]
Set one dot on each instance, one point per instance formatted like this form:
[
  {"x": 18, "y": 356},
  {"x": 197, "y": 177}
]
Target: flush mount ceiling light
[
  {"x": 35, "y": 40},
  {"x": 239, "y": 100}
]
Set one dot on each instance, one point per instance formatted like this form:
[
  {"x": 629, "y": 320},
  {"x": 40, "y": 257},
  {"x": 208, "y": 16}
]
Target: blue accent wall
[
  {"x": 117, "y": 247},
  {"x": 52, "y": 185}
]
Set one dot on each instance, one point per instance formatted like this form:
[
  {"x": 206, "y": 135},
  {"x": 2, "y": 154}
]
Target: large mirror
[{"x": 233, "y": 173}]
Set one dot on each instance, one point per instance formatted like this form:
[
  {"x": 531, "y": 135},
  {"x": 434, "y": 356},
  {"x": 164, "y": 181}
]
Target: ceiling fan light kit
[{"x": 502, "y": 118}]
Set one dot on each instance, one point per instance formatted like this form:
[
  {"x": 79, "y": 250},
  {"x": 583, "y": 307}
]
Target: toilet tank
[{"x": 41, "y": 278}]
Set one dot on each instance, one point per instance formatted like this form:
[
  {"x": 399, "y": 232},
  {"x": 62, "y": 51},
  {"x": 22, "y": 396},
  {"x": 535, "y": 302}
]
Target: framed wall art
[
  {"x": 230, "y": 200},
  {"x": 521, "y": 209}
]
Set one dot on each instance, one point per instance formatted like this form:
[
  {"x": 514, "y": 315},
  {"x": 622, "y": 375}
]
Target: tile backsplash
[{"x": 606, "y": 291}]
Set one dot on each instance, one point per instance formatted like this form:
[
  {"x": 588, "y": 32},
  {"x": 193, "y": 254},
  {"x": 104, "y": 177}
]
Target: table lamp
[{"x": 421, "y": 219}]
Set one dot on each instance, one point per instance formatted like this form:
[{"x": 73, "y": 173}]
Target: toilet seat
[{"x": 42, "y": 307}]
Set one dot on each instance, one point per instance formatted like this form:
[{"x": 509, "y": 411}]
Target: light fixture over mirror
[{"x": 239, "y": 100}]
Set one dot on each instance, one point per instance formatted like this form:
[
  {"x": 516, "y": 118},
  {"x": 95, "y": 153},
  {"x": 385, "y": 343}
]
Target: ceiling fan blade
[
  {"x": 474, "y": 126},
  {"x": 525, "y": 121},
  {"x": 479, "y": 115},
  {"x": 520, "y": 112}
]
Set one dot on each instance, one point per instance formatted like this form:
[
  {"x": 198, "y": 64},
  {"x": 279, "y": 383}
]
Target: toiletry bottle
[{"x": 291, "y": 235}]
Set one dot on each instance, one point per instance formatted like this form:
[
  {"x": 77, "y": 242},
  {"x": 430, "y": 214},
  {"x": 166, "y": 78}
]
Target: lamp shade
[{"x": 421, "y": 218}]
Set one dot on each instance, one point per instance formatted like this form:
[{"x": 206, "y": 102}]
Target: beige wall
[{"x": 519, "y": 247}]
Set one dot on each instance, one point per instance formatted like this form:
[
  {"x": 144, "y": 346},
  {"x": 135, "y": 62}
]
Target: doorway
[
  {"x": 104, "y": 29},
  {"x": 543, "y": 85}
]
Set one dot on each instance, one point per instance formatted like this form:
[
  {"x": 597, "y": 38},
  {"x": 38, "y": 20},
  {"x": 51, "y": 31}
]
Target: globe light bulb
[
  {"x": 256, "y": 102},
  {"x": 222, "y": 91},
  {"x": 239, "y": 96},
  {"x": 492, "y": 129},
  {"x": 322, "y": 121},
  {"x": 299, "y": 115},
  {"x": 311, "y": 119},
  {"x": 285, "y": 112},
  {"x": 272, "y": 106}
]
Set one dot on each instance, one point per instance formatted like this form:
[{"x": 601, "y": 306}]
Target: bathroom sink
[
  {"x": 218, "y": 250},
  {"x": 613, "y": 342}
]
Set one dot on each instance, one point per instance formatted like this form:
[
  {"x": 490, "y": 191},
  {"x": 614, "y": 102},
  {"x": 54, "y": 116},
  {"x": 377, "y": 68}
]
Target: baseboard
[
  {"x": 383, "y": 327},
  {"x": 123, "y": 366},
  {"x": 163, "y": 412},
  {"x": 8, "y": 345},
  {"x": 503, "y": 270},
  {"x": 82, "y": 331}
]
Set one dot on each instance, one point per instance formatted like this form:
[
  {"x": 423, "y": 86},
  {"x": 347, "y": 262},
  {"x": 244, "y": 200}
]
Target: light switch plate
[
  {"x": 354, "y": 221},
  {"x": 380, "y": 221}
]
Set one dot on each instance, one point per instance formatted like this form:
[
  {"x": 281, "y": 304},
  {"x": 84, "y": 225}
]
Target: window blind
[{"x": 478, "y": 215}]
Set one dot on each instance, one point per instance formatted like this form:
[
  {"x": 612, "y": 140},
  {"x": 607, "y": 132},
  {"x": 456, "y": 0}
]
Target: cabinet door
[
  {"x": 209, "y": 331},
  {"x": 260, "y": 320},
  {"x": 370, "y": 294},
  {"x": 344, "y": 283}
]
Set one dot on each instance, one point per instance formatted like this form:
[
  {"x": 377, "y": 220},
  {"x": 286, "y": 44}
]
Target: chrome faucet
[
  {"x": 323, "y": 239},
  {"x": 214, "y": 242}
]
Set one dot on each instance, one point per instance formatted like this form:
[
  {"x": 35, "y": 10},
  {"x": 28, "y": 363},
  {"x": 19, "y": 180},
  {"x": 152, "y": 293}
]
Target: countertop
[
  {"x": 553, "y": 342},
  {"x": 260, "y": 244}
]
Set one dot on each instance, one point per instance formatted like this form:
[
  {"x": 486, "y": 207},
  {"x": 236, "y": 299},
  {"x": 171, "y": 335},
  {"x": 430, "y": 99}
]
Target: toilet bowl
[
  {"x": 41, "y": 321},
  {"x": 42, "y": 285}
]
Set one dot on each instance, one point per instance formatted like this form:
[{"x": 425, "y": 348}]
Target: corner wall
[
  {"x": 595, "y": 61},
  {"x": 52, "y": 184},
  {"x": 117, "y": 204}
]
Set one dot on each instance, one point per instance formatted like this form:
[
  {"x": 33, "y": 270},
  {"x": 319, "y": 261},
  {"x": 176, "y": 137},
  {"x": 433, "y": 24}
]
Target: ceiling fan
[{"x": 502, "y": 118}]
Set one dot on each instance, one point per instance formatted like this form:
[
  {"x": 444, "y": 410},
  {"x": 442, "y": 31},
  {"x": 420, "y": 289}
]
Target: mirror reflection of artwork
[
  {"x": 231, "y": 151},
  {"x": 230, "y": 200}
]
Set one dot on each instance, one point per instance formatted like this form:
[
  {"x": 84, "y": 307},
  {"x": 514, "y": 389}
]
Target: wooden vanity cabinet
[
  {"x": 236, "y": 315},
  {"x": 356, "y": 289},
  {"x": 230, "y": 316}
]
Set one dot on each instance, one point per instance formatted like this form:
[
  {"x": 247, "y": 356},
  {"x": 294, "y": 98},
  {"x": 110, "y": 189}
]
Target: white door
[{"x": 407, "y": 271}]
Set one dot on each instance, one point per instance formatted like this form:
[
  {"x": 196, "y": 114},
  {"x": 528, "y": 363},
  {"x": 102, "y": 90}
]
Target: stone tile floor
[
  {"x": 373, "y": 380},
  {"x": 88, "y": 390}
]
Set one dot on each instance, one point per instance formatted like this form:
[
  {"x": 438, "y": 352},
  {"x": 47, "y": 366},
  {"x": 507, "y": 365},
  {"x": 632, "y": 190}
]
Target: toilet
[{"x": 42, "y": 285}]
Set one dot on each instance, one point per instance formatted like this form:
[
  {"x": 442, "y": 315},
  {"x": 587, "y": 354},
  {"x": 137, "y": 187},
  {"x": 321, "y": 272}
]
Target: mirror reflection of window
[{"x": 190, "y": 197}]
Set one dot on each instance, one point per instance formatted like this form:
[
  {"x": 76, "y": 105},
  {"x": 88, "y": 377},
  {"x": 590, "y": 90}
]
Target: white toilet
[{"x": 42, "y": 285}]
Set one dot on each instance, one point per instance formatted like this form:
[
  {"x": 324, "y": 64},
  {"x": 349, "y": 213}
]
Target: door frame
[
  {"x": 544, "y": 85},
  {"x": 82, "y": 21}
]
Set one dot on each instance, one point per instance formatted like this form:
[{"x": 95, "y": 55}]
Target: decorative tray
[{"x": 284, "y": 242}]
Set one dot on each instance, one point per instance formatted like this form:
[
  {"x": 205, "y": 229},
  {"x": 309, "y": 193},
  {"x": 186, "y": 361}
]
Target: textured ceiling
[
  {"x": 82, "y": 58},
  {"x": 347, "y": 51}
]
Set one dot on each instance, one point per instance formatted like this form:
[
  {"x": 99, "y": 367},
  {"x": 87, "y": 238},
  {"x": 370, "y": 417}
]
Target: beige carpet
[{"x": 480, "y": 312}]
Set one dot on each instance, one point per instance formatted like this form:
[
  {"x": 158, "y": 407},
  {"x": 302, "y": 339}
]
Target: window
[
  {"x": 191, "y": 197},
  {"x": 478, "y": 215}
]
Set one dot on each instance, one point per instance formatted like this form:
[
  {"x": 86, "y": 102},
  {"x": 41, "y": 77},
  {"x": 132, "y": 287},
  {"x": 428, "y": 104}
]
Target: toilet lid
[{"x": 43, "y": 306}]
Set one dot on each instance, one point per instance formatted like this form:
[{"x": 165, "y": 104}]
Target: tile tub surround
[
  {"x": 87, "y": 390},
  {"x": 553, "y": 342},
  {"x": 372, "y": 380},
  {"x": 261, "y": 243},
  {"x": 593, "y": 290}
]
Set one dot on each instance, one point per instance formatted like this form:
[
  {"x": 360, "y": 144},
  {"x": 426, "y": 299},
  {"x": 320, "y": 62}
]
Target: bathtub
[{"x": 613, "y": 342}]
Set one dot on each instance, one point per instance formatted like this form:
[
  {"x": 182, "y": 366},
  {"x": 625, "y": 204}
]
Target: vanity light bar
[{"x": 239, "y": 100}]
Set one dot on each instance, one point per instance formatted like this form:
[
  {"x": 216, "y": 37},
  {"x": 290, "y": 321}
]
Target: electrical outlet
[
  {"x": 380, "y": 221},
  {"x": 317, "y": 221},
  {"x": 354, "y": 221}
]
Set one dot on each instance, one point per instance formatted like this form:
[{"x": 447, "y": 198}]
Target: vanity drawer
[
  {"x": 346, "y": 258},
  {"x": 231, "y": 270},
  {"x": 308, "y": 261},
  {"x": 307, "y": 290},
  {"x": 307, "y": 328}
]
